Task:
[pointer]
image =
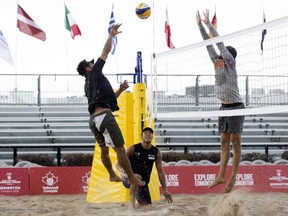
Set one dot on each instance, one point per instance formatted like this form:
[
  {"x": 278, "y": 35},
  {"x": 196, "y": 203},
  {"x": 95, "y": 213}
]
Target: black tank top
[{"x": 142, "y": 161}]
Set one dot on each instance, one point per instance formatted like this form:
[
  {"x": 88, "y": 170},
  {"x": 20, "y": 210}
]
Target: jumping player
[
  {"x": 102, "y": 102},
  {"x": 227, "y": 91}
]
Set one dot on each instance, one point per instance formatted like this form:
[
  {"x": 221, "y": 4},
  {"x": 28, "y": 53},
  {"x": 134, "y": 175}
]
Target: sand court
[{"x": 237, "y": 203}]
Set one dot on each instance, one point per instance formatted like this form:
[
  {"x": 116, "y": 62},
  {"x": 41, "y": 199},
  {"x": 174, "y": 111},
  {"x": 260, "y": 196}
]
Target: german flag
[
  {"x": 214, "y": 23},
  {"x": 264, "y": 32}
]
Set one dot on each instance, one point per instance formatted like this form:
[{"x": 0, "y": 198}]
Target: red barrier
[
  {"x": 196, "y": 179},
  {"x": 175, "y": 179},
  {"x": 14, "y": 181},
  {"x": 179, "y": 179},
  {"x": 59, "y": 180}
]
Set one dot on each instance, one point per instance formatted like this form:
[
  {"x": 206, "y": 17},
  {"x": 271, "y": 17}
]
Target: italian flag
[{"x": 70, "y": 24}]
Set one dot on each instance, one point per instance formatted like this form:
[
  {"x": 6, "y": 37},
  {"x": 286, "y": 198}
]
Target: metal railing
[
  {"x": 198, "y": 90},
  {"x": 37, "y": 89}
]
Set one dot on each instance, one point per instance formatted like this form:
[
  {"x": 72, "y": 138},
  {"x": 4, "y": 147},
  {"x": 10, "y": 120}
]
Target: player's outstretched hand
[
  {"x": 168, "y": 197},
  {"x": 115, "y": 28}
]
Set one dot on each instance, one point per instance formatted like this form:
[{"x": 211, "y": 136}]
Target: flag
[
  {"x": 27, "y": 25},
  {"x": 264, "y": 32},
  {"x": 4, "y": 49},
  {"x": 114, "y": 39},
  {"x": 168, "y": 32},
  {"x": 70, "y": 24},
  {"x": 214, "y": 23}
]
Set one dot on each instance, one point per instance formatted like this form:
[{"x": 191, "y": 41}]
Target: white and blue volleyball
[{"x": 143, "y": 11}]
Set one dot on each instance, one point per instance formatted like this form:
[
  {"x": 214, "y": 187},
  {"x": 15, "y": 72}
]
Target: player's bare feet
[
  {"x": 230, "y": 186},
  {"x": 133, "y": 192},
  {"x": 115, "y": 178},
  {"x": 217, "y": 181},
  {"x": 134, "y": 180}
]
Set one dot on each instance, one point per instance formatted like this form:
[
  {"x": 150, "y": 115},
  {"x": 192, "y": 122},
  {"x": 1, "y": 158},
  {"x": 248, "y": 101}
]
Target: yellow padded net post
[
  {"x": 100, "y": 188},
  {"x": 142, "y": 111}
]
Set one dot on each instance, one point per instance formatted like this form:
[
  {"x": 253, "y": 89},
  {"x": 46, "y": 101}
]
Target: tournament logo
[
  {"x": 50, "y": 181},
  {"x": 9, "y": 184},
  {"x": 279, "y": 181},
  {"x": 86, "y": 180}
]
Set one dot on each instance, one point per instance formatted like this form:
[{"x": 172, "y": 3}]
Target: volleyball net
[{"x": 183, "y": 79}]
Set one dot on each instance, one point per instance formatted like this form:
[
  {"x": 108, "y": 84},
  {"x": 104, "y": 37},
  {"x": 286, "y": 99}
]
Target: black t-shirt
[
  {"x": 142, "y": 161},
  {"x": 98, "y": 89}
]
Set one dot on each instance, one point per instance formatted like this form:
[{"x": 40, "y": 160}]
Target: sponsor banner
[
  {"x": 196, "y": 179},
  {"x": 177, "y": 179},
  {"x": 14, "y": 181},
  {"x": 59, "y": 180},
  {"x": 274, "y": 178},
  {"x": 202, "y": 177},
  {"x": 248, "y": 178}
]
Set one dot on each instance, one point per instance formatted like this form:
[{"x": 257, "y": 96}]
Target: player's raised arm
[{"x": 108, "y": 44}]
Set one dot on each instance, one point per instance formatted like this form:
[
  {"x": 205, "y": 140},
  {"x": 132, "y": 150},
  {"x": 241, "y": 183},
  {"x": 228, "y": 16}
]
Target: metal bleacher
[
  {"x": 262, "y": 133},
  {"x": 59, "y": 130},
  {"x": 47, "y": 129}
]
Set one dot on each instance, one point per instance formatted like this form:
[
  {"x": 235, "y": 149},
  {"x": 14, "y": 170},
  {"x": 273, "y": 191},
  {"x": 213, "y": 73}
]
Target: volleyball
[{"x": 143, "y": 11}]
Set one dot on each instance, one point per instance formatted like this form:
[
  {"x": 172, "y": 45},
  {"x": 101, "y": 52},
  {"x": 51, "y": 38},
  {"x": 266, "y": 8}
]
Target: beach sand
[{"x": 236, "y": 203}]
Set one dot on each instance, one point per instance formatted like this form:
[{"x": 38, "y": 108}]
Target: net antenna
[{"x": 185, "y": 76}]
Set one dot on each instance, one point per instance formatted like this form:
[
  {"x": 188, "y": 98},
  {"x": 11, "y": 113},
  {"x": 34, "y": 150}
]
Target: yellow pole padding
[
  {"x": 141, "y": 111},
  {"x": 139, "y": 95},
  {"x": 100, "y": 188}
]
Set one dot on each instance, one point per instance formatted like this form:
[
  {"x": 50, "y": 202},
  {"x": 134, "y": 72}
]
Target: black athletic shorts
[
  {"x": 231, "y": 124},
  {"x": 106, "y": 130}
]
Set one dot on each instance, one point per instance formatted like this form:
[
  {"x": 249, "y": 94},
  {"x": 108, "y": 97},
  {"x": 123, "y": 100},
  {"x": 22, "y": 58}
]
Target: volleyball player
[
  {"x": 227, "y": 91},
  {"x": 142, "y": 156},
  {"x": 101, "y": 103}
]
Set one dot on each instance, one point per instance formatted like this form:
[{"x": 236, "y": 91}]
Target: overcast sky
[{"x": 60, "y": 53}]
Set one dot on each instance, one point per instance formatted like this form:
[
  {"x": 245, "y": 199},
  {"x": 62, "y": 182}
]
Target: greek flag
[{"x": 111, "y": 23}]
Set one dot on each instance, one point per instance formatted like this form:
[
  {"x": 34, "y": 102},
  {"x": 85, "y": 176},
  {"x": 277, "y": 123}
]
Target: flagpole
[
  {"x": 154, "y": 65},
  {"x": 153, "y": 29},
  {"x": 16, "y": 43},
  {"x": 66, "y": 46}
]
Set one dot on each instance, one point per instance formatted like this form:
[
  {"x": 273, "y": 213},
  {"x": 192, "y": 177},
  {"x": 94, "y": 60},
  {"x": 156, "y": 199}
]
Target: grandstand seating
[
  {"x": 45, "y": 129},
  {"x": 209, "y": 163},
  {"x": 58, "y": 130},
  {"x": 262, "y": 133}
]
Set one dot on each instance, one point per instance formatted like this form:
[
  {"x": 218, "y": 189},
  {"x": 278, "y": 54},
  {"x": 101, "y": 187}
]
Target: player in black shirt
[{"x": 142, "y": 157}]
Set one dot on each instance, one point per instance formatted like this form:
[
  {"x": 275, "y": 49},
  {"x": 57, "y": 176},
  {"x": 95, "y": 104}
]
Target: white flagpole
[
  {"x": 66, "y": 47},
  {"x": 154, "y": 67},
  {"x": 16, "y": 55}
]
